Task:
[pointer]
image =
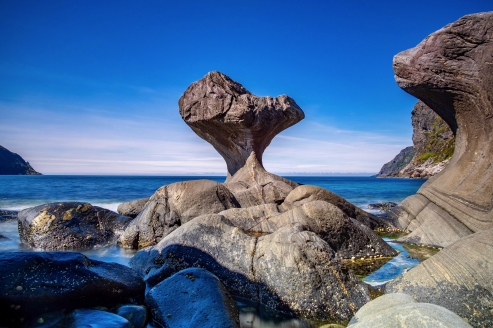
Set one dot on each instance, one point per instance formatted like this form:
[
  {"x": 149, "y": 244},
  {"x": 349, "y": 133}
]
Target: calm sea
[{"x": 19, "y": 192}]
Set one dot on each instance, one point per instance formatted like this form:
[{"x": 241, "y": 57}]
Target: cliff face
[
  {"x": 434, "y": 144},
  {"x": 13, "y": 164}
]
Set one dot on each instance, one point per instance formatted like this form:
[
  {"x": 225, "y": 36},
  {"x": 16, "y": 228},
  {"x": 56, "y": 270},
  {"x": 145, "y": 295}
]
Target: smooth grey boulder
[
  {"x": 133, "y": 207},
  {"x": 69, "y": 225},
  {"x": 37, "y": 282},
  {"x": 347, "y": 237},
  {"x": 192, "y": 298},
  {"x": 450, "y": 71},
  {"x": 307, "y": 193},
  {"x": 291, "y": 270},
  {"x": 401, "y": 310},
  {"x": 237, "y": 123},
  {"x": 459, "y": 278},
  {"x": 92, "y": 318},
  {"x": 173, "y": 205}
]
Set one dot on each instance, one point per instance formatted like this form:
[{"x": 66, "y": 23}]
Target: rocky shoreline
[{"x": 267, "y": 239}]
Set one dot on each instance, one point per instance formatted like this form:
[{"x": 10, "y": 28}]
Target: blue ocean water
[{"x": 19, "y": 192}]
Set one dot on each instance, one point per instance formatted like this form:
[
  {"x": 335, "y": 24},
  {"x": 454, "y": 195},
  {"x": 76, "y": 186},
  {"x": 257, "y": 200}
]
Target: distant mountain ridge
[
  {"x": 434, "y": 144},
  {"x": 13, "y": 164}
]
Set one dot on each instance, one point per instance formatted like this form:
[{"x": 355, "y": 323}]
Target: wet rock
[
  {"x": 92, "y": 318},
  {"x": 8, "y": 215},
  {"x": 383, "y": 207},
  {"x": 37, "y": 282},
  {"x": 132, "y": 208},
  {"x": 291, "y": 270},
  {"x": 173, "y": 205},
  {"x": 400, "y": 310},
  {"x": 192, "y": 298},
  {"x": 450, "y": 71},
  {"x": 135, "y": 314},
  {"x": 69, "y": 225},
  {"x": 306, "y": 193},
  {"x": 459, "y": 278}
]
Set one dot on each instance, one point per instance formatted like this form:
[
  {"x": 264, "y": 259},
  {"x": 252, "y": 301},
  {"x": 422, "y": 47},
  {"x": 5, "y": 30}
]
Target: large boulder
[
  {"x": 459, "y": 278},
  {"x": 133, "y": 207},
  {"x": 307, "y": 193},
  {"x": 347, "y": 237},
  {"x": 291, "y": 269},
  {"x": 37, "y": 282},
  {"x": 240, "y": 126},
  {"x": 173, "y": 205},
  {"x": 401, "y": 310},
  {"x": 192, "y": 298},
  {"x": 69, "y": 225},
  {"x": 451, "y": 72}
]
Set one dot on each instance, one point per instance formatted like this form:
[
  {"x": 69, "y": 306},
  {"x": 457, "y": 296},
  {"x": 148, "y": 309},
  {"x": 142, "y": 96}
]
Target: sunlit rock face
[
  {"x": 451, "y": 71},
  {"x": 236, "y": 122}
]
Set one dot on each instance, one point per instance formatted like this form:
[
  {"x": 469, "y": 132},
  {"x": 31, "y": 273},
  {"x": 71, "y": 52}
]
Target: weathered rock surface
[
  {"x": 400, "y": 161},
  {"x": 69, "y": 225},
  {"x": 401, "y": 310},
  {"x": 240, "y": 126},
  {"x": 37, "y": 282},
  {"x": 345, "y": 236},
  {"x": 433, "y": 145},
  {"x": 133, "y": 207},
  {"x": 237, "y": 123},
  {"x": 306, "y": 193},
  {"x": 451, "y": 72},
  {"x": 192, "y": 298},
  {"x": 13, "y": 164},
  {"x": 291, "y": 270},
  {"x": 459, "y": 278},
  {"x": 173, "y": 205}
]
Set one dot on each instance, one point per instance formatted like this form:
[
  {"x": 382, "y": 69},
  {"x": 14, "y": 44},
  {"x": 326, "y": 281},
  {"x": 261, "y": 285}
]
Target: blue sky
[{"x": 91, "y": 87}]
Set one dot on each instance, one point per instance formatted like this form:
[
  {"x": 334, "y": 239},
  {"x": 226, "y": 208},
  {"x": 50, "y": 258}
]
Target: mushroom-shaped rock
[
  {"x": 236, "y": 122},
  {"x": 451, "y": 71}
]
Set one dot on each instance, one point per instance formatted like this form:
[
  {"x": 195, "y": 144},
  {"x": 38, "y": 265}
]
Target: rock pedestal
[
  {"x": 236, "y": 122},
  {"x": 451, "y": 72}
]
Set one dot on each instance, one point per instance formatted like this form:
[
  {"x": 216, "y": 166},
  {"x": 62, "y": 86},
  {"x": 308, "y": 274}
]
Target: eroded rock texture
[
  {"x": 173, "y": 205},
  {"x": 291, "y": 269},
  {"x": 451, "y": 72},
  {"x": 459, "y": 278},
  {"x": 236, "y": 122},
  {"x": 70, "y": 225}
]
